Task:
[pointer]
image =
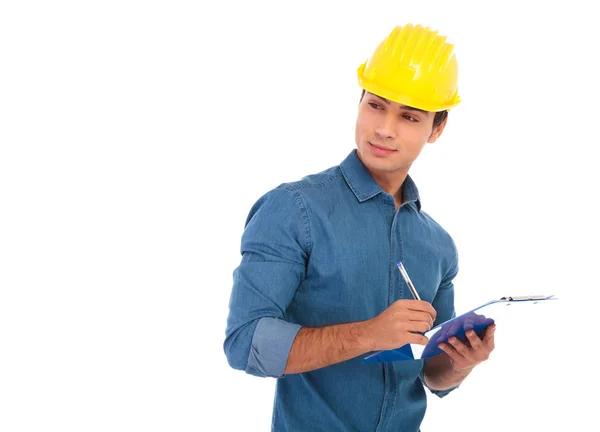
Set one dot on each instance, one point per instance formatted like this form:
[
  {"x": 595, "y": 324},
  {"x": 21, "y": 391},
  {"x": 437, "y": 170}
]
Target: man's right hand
[{"x": 400, "y": 324}]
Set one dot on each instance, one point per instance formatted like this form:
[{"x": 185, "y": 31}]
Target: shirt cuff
[{"x": 271, "y": 346}]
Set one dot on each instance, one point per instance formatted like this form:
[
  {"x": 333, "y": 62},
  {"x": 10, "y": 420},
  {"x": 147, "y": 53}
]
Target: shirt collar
[{"x": 364, "y": 187}]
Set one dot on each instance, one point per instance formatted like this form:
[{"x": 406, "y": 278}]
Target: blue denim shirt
[{"x": 322, "y": 251}]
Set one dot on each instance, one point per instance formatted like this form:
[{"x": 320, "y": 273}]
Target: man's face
[{"x": 390, "y": 136}]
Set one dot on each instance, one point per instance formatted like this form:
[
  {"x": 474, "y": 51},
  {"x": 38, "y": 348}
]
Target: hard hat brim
[{"x": 403, "y": 98}]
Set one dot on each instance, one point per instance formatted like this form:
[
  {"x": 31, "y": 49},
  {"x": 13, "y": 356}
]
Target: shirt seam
[
  {"x": 305, "y": 185},
  {"x": 300, "y": 202},
  {"x": 452, "y": 265}
]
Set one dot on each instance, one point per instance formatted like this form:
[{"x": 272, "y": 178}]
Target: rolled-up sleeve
[
  {"x": 275, "y": 248},
  {"x": 443, "y": 303}
]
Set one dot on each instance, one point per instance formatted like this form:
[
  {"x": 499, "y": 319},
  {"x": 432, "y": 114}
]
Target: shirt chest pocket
[{"x": 347, "y": 280}]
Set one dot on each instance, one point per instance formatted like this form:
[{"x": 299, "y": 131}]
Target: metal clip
[{"x": 530, "y": 297}]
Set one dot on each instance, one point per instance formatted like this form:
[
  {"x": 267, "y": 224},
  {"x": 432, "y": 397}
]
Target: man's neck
[{"x": 391, "y": 183}]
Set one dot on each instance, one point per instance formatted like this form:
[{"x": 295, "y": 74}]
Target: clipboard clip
[{"x": 530, "y": 297}]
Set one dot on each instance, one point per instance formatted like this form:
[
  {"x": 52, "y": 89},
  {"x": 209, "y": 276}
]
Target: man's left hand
[{"x": 464, "y": 357}]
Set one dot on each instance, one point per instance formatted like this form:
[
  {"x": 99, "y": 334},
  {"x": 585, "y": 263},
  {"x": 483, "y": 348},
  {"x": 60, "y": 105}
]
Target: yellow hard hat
[{"x": 413, "y": 66}]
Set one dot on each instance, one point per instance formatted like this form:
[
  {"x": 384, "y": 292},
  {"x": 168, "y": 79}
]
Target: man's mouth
[{"x": 381, "y": 148}]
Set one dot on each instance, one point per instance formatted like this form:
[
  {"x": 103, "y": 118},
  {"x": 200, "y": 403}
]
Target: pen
[{"x": 411, "y": 287}]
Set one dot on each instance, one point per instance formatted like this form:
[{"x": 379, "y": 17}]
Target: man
[{"x": 318, "y": 289}]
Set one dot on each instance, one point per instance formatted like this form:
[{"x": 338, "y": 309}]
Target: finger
[
  {"x": 452, "y": 353},
  {"x": 414, "y": 306},
  {"x": 418, "y": 326},
  {"x": 420, "y": 316},
  {"x": 488, "y": 338},
  {"x": 489, "y": 332},
  {"x": 460, "y": 347},
  {"x": 474, "y": 340},
  {"x": 422, "y": 306},
  {"x": 417, "y": 339}
]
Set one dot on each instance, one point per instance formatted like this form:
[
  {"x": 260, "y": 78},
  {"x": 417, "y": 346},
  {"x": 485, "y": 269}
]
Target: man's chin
[{"x": 378, "y": 165}]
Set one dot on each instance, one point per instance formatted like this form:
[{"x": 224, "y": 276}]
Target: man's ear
[{"x": 437, "y": 131}]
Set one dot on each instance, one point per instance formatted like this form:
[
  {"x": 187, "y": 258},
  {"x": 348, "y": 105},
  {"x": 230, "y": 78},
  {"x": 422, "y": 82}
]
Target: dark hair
[{"x": 439, "y": 118}]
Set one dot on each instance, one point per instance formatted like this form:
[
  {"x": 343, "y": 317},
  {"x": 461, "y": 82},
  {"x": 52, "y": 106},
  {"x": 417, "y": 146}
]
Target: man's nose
[
  {"x": 385, "y": 132},
  {"x": 386, "y": 129}
]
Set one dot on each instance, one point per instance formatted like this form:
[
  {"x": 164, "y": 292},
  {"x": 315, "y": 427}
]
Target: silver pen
[{"x": 411, "y": 287}]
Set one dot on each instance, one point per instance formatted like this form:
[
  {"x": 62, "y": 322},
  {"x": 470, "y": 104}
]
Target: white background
[{"x": 135, "y": 136}]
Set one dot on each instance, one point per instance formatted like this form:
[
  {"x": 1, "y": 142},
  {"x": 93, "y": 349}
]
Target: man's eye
[
  {"x": 409, "y": 118},
  {"x": 374, "y": 105}
]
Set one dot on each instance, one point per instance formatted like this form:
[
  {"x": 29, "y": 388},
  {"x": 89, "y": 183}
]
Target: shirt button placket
[{"x": 389, "y": 398}]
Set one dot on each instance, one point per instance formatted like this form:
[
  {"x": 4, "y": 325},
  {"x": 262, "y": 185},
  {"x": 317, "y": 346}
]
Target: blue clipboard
[{"x": 477, "y": 319}]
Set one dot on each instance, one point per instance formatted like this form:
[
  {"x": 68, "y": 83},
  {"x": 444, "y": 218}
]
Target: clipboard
[{"x": 477, "y": 319}]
